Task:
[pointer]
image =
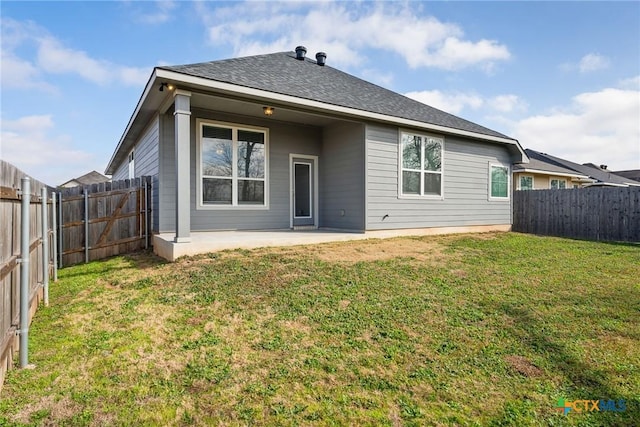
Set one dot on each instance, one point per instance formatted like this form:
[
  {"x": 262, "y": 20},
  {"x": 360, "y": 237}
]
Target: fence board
[
  {"x": 116, "y": 222},
  {"x": 10, "y": 229},
  {"x": 593, "y": 213}
]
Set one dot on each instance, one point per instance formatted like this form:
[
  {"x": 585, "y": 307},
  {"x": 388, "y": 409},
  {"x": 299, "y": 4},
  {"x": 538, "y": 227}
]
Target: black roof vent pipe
[
  {"x": 321, "y": 58},
  {"x": 301, "y": 51}
]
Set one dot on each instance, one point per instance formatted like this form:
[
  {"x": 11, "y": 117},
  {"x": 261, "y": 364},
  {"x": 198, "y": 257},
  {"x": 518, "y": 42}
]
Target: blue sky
[{"x": 561, "y": 77}]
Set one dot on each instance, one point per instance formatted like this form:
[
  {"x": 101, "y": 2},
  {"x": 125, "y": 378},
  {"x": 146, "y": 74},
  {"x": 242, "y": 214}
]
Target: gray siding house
[{"x": 281, "y": 141}]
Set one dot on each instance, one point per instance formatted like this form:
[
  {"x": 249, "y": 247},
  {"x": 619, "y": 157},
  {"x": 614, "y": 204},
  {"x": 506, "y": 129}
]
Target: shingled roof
[
  {"x": 92, "y": 177},
  {"x": 282, "y": 73},
  {"x": 592, "y": 171},
  {"x": 541, "y": 162}
]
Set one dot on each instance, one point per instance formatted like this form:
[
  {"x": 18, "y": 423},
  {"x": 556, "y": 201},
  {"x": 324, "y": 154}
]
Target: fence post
[
  {"x": 146, "y": 216},
  {"x": 45, "y": 246},
  {"x": 24, "y": 272},
  {"x": 86, "y": 225},
  {"x": 61, "y": 231},
  {"x": 54, "y": 236}
]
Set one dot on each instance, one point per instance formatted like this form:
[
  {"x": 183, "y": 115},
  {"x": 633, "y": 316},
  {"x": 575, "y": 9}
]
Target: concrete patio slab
[{"x": 213, "y": 241}]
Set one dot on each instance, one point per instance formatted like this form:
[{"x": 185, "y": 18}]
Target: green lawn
[{"x": 487, "y": 329}]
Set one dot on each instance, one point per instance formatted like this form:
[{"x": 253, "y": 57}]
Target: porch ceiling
[{"x": 255, "y": 109}]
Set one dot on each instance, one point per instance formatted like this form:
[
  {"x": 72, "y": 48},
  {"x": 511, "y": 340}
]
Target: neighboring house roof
[
  {"x": 601, "y": 176},
  {"x": 90, "y": 178},
  {"x": 539, "y": 163},
  {"x": 281, "y": 73},
  {"x": 297, "y": 84},
  {"x": 631, "y": 174}
]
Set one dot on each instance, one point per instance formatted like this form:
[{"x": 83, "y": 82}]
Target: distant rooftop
[
  {"x": 631, "y": 174},
  {"x": 90, "y": 178},
  {"x": 549, "y": 163}
]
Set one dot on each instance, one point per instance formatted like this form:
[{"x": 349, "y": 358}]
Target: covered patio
[{"x": 165, "y": 246}]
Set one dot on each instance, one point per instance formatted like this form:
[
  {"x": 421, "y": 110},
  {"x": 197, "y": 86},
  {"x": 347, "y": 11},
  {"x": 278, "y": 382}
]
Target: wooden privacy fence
[
  {"x": 103, "y": 219},
  {"x": 592, "y": 213},
  {"x": 36, "y": 247}
]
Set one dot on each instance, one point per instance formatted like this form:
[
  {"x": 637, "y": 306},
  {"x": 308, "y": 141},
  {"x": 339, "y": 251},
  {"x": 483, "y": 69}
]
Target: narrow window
[
  {"x": 217, "y": 165},
  {"x": 132, "y": 166}
]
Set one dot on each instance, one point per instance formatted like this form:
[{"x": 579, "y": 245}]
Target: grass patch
[{"x": 489, "y": 329}]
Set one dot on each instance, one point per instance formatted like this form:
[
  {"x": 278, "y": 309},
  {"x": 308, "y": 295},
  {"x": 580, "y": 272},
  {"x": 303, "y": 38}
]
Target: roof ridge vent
[
  {"x": 321, "y": 58},
  {"x": 301, "y": 51}
]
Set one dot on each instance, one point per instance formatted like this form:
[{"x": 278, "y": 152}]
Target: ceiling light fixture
[
  {"x": 268, "y": 111},
  {"x": 167, "y": 85}
]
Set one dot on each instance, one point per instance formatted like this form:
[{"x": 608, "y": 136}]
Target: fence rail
[
  {"x": 103, "y": 220},
  {"x": 595, "y": 213},
  {"x": 14, "y": 251}
]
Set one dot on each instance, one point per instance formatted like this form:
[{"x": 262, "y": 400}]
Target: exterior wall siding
[
  {"x": 466, "y": 185},
  {"x": 342, "y": 201},
  {"x": 146, "y": 151},
  {"x": 284, "y": 138},
  {"x": 122, "y": 172},
  {"x": 167, "y": 175},
  {"x": 147, "y": 163}
]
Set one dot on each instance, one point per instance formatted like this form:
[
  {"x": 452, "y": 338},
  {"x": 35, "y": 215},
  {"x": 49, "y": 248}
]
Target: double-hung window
[
  {"x": 498, "y": 182},
  {"x": 233, "y": 166},
  {"x": 526, "y": 182},
  {"x": 557, "y": 183},
  {"x": 421, "y": 164}
]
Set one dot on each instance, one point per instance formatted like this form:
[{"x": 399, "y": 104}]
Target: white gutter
[
  {"x": 606, "y": 184},
  {"x": 288, "y": 99},
  {"x": 526, "y": 170}
]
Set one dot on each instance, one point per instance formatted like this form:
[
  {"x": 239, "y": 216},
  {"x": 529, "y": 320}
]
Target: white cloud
[
  {"x": 630, "y": 83},
  {"x": 163, "y": 13},
  {"x": 345, "y": 30},
  {"x": 588, "y": 63},
  {"x": 53, "y": 57},
  {"x": 600, "y": 127},
  {"x": 452, "y": 103},
  {"x": 30, "y": 143},
  {"x": 593, "y": 62},
  {"x": 507, "y": 103},
  {"x": 378, "y": 77},
  {"x": 21, "y": 74},
  {"x": 456, "y": 102}
]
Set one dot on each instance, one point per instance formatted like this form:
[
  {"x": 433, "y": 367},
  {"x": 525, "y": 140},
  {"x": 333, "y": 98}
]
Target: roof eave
[
  {"x": 607, "y": 184},
  {"x": 229, "y": 88},
  {"x": 150, "y": 83},
  {"x": 541, "y": 171}
]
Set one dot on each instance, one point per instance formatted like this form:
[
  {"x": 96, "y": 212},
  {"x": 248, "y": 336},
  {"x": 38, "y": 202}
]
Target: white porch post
[{"x": 182, "y": 115}]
